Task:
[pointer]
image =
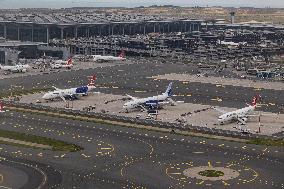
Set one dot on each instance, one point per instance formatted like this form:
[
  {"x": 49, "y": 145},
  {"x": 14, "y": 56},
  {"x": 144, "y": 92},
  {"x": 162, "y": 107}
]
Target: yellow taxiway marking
[
  {"x": 225, "y": 183},
  {"x": 86, "y": 156},
  {"x": 209, "y": 164},
  {"x": 105, "y": 148},
  {"x": 198, "y": 152},
  {"x": 200, "y": 182},
  {"x": 1, "y": 178},
  {"x": 230, "y": 165}
]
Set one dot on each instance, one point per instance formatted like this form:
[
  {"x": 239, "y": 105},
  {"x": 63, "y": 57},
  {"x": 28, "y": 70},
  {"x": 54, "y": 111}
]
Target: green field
[
  {"x": 267, "y": 142},
  {"x": 56, "y": 145},
  {"x": 211, "y": 173}
]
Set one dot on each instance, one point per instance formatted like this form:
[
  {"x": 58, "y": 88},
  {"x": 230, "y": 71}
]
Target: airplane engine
[{"x": 244, "y": 119}]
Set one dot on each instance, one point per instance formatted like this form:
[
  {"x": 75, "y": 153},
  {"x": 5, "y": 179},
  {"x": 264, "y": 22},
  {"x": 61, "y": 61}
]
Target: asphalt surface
[
  {"x": 120, "y": 157},
  {"x": 21, "y": 173},
  {"x": 134, "y": 79}
]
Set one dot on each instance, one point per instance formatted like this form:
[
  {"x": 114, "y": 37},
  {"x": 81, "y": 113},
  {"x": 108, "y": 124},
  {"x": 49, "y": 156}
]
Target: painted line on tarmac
[{"x": 123, "y": 124}]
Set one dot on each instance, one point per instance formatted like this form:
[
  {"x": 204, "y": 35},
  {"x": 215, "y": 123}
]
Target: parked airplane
[
  {"x": 240, "y": 115},
  {"x": 109, "y": 58},
  {"x": 150, "y": 102},
  {"x": 230, "y": 43},
  {"x": 16, "y": 68},
  {"x": 71, "y": 93},
  {"x": 62, "y": 64}
]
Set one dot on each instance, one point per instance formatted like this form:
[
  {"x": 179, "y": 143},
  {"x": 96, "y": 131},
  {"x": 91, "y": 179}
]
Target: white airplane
[
  {"x": 109, "y": 58},
  {"x": 240, "y": 115},
  {"x": 150, "y": 102},
  {"x": 71, "y": 93},
  {"x": 62, "y": 64},
  {"x": 16, "y": 68},
  {"x": 230, "y": 43}
]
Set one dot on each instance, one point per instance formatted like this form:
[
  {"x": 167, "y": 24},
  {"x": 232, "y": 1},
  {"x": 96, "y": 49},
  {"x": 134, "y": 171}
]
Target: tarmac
[
  {"x": 188, "y": 113},
  {"x": 78, "y": 65},
  {"x": 222, "y": 81},
  {"x": 119, "y": 157},
  {"x": 135, "y": 79}
]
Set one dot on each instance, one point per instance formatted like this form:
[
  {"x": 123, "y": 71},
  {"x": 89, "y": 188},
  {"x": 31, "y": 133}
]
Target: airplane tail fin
[
  {"x": 122, "y": 54},
  {"x": 92, "y": 80},
  {"x": 255, "y": 100},
  {"x": 69, "y": 61},
  {"x": 169, "y": 90},
  {"x": 1, "y": 107}
]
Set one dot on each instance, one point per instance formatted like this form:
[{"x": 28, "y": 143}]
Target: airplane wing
[
  {"x": 142, "y": 107},
  {"x": 172, "y": 102},
  {"x": 241, "y": 121},
  {"x": 133, "y": 98},
  {"x": 62, "y": 97},
  {"x": 220, "y": 110}
]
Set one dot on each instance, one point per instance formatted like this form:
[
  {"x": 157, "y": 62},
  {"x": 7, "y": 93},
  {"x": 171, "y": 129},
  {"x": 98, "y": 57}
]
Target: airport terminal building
[{"x": 43, "y": 31}]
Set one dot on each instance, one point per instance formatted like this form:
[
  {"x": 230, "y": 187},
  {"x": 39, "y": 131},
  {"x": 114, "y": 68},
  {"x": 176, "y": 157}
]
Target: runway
[
  {"x": 120, "y": 157},
  {"x": 135, "y": 79}
]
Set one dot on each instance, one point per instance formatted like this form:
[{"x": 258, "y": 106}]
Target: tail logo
[
  {"x": 1, "y": 107},
  {"x": 92, "y": 80},
  {"x": 122, "y": 54},
  {"x": 69, "y": 61},
  {"x": 169, "y": 90},
  {"x": 254, "y": 100}
]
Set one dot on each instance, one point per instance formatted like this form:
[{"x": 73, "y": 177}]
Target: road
[{"x": 120, "y": 157}]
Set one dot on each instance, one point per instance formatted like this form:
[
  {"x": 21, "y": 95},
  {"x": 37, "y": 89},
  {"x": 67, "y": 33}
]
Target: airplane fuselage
[
  {"x": 66, "y": 93},
  {"x": 149, "y": 101},
  {"x": 16, "y": 68},
  {"x": 233, "y": 115},
  {"x": 107, "y": 58}
]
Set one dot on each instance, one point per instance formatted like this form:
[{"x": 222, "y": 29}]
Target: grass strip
[
  {"x": 56, "y": 145},
  {"x": 267, "y": 142},
  {"x": 211, "y": 173}
]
